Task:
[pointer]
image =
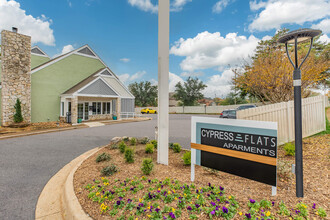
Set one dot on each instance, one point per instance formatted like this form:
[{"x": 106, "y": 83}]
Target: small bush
[
  {"x": 170, "y": 145},
  {"x": 289, "y": 149},
  {"x": 147, "y": 166},
  {"x": 122, "y": 147},
  {"x": 18, "y": 117},
  {"x": 133, "y": 141},
  {"x": 125, "y": 138},
  {"x": 149, "y": 148},
  {"x": 129, "y": 155},
  {"x": 176, "y": 148},
  {"x": 144, "y": 140},
  {"x": 109, "y": 170},
  {"x": 113, "y": 146},
  {"x": 103, "y": 157},
  {"x": 154, "y": 142},
  {"x": 187, "y": 158}
]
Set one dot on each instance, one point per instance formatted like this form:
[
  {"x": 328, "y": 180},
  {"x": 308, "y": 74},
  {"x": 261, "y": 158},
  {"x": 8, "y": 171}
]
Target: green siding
[
  {"x": 38, "y": 60},
  {"x": 50, "y": 82}
]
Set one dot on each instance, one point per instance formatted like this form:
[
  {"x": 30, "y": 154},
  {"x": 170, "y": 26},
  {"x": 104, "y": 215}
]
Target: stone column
[
  {"x": 74, "y": 110},
  {"x": 15, "y": 76},
  {"x": 118, "y": 107}
]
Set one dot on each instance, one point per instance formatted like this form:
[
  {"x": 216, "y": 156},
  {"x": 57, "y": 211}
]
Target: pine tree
[{"x": 18, "y": 115}]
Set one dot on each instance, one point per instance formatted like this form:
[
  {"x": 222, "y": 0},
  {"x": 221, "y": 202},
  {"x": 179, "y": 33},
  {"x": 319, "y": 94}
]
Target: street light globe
[{"x": 302, "y": 35}]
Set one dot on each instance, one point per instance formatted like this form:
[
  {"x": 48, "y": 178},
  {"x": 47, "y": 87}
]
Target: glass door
[
  {"x": 86, "y": 110},
  {"x": 81, "y": 111}
]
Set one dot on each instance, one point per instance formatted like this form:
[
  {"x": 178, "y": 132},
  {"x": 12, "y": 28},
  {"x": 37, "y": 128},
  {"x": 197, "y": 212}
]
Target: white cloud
[
  {"x": 125, "y": 60},
  {"x": 324, "y": 25},
  {"x": 67, "y": 49},
  {"x": 278, "y": 12},
  {"x": 219, "y": 6},
  {"x": 219, "y": 84},
  {"x": 144, "y": 5},
  {"x": 211, "y": 50},
  {"x": 178, "y": 5},
  {"x": 127, "y": 79},
  {"x": 69, "y": 3},
  {"x": 192, "y": 74},
  {"x": 324, "y": 39},
  {"x": 149, "y": 6},
  {"x": 38, "y": 28},
  {"x": 173, "y": 80},
  {"x": 267, "y": 37}
]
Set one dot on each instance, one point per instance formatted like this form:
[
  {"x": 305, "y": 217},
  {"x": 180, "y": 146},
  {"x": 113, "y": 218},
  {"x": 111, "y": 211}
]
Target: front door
[{"x": 86, "y": 110}]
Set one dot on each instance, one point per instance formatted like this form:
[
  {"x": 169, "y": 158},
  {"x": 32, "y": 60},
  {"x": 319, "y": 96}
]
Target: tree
[
  {"x": 233, "y": 99},
  {"x": 189, "y": 92},
  {"x": 145, "y": 93},
  {"x": 18, "y": 114},
  {"x": 269, "y": 76}
]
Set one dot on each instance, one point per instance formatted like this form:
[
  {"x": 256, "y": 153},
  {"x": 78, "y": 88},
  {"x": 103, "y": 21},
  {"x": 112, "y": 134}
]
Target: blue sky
[{"x": 207, "y": 37}]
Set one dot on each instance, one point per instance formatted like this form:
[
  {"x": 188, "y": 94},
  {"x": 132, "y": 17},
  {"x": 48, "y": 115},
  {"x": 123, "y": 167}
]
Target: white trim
[
  {"x": 93, "y": 81},
  {"x": 45, "y": 54},
  {"x": 97, "y": 95},
  {"x": 101, "y": 71},
  {"x": 85, "y": 55}
]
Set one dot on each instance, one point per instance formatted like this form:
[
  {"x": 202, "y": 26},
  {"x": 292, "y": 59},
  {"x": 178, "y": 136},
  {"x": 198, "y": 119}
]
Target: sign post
[{"x": 244, "y": 148}]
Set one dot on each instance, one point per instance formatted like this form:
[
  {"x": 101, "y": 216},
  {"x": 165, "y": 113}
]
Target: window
[
  {"x": 62, "y": 108},
  {"x": 99, "y": 107},
  {"x": 104, "y": 108},
  {"x": 94, "y": 108},
  {"x": 69, "y": 107},
  {"x": 108, "y": 107}
]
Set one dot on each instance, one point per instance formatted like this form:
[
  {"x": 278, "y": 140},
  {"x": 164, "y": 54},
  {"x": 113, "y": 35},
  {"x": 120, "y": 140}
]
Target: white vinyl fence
[
  {"x": 313, "y": 117},
  {"x": 196, "y": 109}
]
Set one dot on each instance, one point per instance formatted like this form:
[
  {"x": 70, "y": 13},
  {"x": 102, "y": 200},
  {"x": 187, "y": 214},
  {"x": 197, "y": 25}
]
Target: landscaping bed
[
  {"x": 168, "y": 193},
  {"x": 33, "y": 127}
]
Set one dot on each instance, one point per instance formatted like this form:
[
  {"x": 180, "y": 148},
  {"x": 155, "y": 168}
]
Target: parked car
[
  {"x": 229, "y": 113},
  {"x": 148, "y": 111},
  {"x": 242, "y": 107}
]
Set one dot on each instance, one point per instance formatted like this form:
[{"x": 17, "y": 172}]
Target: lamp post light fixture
[{"x": 295, "y": 37}]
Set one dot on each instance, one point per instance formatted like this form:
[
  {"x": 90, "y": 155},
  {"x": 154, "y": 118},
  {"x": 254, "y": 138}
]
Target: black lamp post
[{"x": 295, "y": 37}]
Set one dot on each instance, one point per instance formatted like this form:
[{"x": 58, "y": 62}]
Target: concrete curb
[{"x": 58, "y": 199}]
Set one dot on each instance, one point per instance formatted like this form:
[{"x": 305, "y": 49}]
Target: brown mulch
[
  {"x": 33, "y": 127},
  {"x": 316, "y": 177}
]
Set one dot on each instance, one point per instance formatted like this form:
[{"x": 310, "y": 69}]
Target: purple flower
[
  {"x": 218, "y": 199},
  {"x": 221, "y": 188},
  {"x": 164, "y": 217},
  {"x": 120, "y": 198},
  {"x": 224, "y": 209},
  {"x": 138, "y": 208},
  {"x": 209, "y": 184},
  {"x": 216, "y": 208},
  {"x": 118, "y": 202},
  {"x": 189, "y": 208},
  {"x": 208, "y": 194},
  {"x": 149, "y": 181},
  {"x": 248, "y": 215},
  {"x": 297, "y": 211},
  {"x": 226, "y": 202},
  {"x": 252, "y": 201},
  {"x": 262, "y": 214},
  {"x": 314, "y": 206},
  {"x": 172, "y": 215},
  {"x": 212, "y": 203},
  {"x": 197, "y": 206},
  {"x": 196, "y": 190},
  {"x": 273, "y": 203},
  {"x": 213, "y": 212},
  {"x": 129, "y": 201},
  {"x": 157, "y": 210}
]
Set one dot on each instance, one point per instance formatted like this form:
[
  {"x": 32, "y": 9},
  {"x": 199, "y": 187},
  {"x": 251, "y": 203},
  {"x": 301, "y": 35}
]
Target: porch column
[
  {"x": 118, "y": 107},
  {"x": 74, "y": 110}
]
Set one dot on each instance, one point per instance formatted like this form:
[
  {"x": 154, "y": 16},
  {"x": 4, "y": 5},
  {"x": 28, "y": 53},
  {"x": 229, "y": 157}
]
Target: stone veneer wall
[{"x": 15, "y": 76}]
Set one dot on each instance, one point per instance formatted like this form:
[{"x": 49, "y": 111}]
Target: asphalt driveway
[{"x": 27, "y": 163}]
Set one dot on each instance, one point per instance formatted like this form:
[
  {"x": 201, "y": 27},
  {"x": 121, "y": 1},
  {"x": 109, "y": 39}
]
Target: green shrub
[
  {"x": 154, "y": 142},
  {"x": 170, "y": 145},
  {"x": 18, "y": 117},
  {"x": 147, "y": 166},
  {"x": 289, "y": 149},
  {"x": 109, "y": 170},
  {"x": 125, "y": 138},
  {"x": 113, "y": 146},
  {"x": 133, "y": 141},
  {"x": 144, "y": 140},
  {"x": 122, "y": 147},
  {"x": 129, "y": 155},
  {"x": 103, "y": 157},
  {"x": 321, "y": 212},
  {"x": 149, "y": 148},
  {"x": 176, "y": 148},
  {"x": 187, "y": 158}
]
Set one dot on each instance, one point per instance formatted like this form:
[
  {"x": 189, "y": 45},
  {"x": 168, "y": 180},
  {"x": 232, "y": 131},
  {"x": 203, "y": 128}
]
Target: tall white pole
[{"x": 163, "y": 77}]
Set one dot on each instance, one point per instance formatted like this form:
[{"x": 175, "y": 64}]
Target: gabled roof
[{"x": 38, "y": 52}]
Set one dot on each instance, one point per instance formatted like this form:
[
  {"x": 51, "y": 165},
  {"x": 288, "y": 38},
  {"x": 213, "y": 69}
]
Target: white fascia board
[
  {"x": 41, "y": 51},
  {"x": 101, "y": 71},
  {"x": 97, "y": 96}
]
